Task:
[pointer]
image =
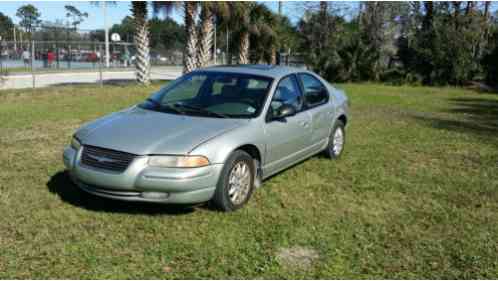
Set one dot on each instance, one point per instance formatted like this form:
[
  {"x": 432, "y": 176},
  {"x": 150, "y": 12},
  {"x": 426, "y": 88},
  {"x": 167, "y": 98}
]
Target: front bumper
[{"x": 140, "y": 182}]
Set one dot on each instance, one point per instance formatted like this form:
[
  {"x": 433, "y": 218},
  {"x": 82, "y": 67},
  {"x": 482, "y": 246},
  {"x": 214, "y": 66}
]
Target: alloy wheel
[{"x": 239, "y": 183}]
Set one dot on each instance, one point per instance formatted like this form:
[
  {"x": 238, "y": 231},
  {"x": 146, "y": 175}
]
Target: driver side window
[{"x": 287, "y": 92}]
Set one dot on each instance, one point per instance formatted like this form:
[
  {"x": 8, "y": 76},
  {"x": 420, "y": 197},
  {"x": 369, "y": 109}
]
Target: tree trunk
[
  {"x": 206, "y": 38},
  {"x": 469, "y": 8},
  {"x": 324, "y": 7},
  {"x": 456, "y": 14},
  {"x": 273, "y": 56},
  {"x": 483, "y": 38},
  {"x": 244, "y": 48},
  {"x": 429, "y": 15},
  {"x": 486, "y": 20},
  {"x": 189, "y": 55},
  {"x": 141, "y": 39}
]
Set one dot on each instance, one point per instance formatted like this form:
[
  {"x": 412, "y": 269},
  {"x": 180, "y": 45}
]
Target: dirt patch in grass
[{"x": 299, "y": 258}]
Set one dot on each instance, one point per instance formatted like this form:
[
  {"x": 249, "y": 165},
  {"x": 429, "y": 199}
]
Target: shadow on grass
[
  {"x": 478, "y": 116},
  {"x": 61, "y": 185}
]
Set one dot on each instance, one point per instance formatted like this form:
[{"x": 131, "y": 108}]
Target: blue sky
[{"x": 53, "y": 10}]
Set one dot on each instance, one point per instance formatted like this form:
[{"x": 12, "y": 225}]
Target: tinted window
[
  {"x": 314, "y": 91},
  {"x": 287, "y": 92}
]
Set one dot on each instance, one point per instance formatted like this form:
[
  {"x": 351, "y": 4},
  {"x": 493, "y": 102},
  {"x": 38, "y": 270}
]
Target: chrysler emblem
[{"x": 102, "y": 159}]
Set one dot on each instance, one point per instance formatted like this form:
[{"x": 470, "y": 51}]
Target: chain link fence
[
  {"x": 52, "y": 55},
  {"x": 34, "y": 64},
  {"x": 21, "y": 62}
]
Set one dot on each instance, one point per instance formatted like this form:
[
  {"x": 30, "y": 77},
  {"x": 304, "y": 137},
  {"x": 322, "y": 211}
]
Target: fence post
[
  {"x": 100, "y": 65},
  {"x": 32, "y": 62},
  {"x": 1, "y": 57},
  {"x": 69, "y": 56}
]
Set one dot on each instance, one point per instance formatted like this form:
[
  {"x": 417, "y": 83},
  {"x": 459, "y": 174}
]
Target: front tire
[
  {"x": 236, "y": 182},
  {"x": 337, "y": 139}
]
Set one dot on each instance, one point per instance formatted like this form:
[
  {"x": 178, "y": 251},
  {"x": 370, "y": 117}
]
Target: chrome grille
[{"x": 106, "y": 159}]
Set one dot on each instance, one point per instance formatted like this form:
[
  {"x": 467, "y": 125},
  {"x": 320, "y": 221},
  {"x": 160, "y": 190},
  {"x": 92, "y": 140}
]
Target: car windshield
[{"x": 212, "y": 94}]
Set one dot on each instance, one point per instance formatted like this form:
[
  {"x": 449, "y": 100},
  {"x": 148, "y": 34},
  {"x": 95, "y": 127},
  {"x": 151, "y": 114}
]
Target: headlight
[
  {"x": 171, "y": 161},
  {"x": 75, "y": 144}
]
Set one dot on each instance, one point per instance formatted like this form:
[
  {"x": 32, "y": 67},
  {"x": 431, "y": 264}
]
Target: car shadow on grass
[
  {"x": 477, "y": 116},
  {"x": 61, "y": 184}
]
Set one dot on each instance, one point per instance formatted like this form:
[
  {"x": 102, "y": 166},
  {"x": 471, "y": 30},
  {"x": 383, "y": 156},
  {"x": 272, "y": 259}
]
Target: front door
[{"x": 287, "y": 139}]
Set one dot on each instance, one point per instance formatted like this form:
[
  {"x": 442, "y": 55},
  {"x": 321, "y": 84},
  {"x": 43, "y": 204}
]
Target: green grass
[{"x": 415, "y": 195}]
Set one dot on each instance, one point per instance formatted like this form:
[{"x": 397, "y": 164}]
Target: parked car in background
[
  {"x": 212, "y": 135},
  {"x": 157, "y": 58}
]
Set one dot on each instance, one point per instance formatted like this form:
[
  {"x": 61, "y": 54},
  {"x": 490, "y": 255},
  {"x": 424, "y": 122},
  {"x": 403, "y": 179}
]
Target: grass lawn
[{"x": 415, "y": 195}]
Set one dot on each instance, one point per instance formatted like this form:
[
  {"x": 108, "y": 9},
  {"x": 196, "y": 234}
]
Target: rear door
[{"x": 316, "y": 97}]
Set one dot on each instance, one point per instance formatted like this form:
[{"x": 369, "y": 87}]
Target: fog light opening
[{"x": 155, "y": 195}]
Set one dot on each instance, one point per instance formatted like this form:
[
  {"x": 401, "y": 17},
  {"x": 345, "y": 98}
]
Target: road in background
[{"x": 25, "y": 80}]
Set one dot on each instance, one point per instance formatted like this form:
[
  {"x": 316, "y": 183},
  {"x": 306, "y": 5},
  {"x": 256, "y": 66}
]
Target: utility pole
[
  {"x": 15, "y": 41},
  {"x": 33, "y": 63},
  {"x": 104, "y": 3},
  {"x": 280, "y": 8},
  {"x": 227, "y": 31},
  {"x": 215, "y": 49}
]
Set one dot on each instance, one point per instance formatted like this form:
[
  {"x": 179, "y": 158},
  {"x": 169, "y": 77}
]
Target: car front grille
[{"x": 106, "y": 159}]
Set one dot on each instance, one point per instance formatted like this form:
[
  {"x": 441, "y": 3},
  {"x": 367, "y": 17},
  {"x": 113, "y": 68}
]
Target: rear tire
[
  {"x": 337, "y": 140},
  {"x": 236, "y": 182}
]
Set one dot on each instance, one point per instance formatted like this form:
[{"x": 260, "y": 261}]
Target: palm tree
[
  {"x": 190, "y": 13},
  {"x": 241, "y": 21},
  {"x": 263, "y": 37},
  {"x": 210, "y": 11},
  {"x": 141, "y": 38},
  {"x": 189, "y": 57},
  {"x": 256, "y": 21}
]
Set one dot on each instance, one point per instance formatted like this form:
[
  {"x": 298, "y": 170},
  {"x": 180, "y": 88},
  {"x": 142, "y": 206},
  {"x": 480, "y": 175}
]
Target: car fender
[{"x": 218, "y": 149}]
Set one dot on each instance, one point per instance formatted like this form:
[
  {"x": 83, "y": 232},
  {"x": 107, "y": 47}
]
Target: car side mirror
[{"x": 285, "y": 110}]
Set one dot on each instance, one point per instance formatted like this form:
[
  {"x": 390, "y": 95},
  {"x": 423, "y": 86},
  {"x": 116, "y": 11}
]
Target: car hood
[{"x": 142, "y": 132}]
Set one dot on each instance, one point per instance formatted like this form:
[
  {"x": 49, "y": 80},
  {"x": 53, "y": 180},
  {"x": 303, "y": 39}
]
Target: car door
[
  {"x": 287, "y": 139},
  {"x": 316, "y": 99}
]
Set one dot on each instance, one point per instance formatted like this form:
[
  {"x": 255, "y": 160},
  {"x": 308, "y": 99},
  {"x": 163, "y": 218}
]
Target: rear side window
[{"x": 315, "y": 92}]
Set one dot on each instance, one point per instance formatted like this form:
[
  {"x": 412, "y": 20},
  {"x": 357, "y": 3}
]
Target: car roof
[{"x": 273, "y": 71}]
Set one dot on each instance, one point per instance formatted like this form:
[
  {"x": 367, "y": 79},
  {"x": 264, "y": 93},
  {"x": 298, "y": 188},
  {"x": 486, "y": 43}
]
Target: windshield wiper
[
  {"x": 200, "y": 109},
  {"x": 168, "y": 107}
]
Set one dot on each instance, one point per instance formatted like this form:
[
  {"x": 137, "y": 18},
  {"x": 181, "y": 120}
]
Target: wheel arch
[
  {"x": 250, "y": 149},
  {"x": 342, "y": 117}
]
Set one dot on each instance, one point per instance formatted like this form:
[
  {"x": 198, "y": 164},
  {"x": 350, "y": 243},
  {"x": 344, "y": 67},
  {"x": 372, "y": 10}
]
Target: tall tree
[
  {"x": 263, "y": 36},
  {"x": 29, "y": 17},
  {"x": 166, "y": 34},
  {"x": 190, "y": 9},
  {"x": 75, "y": 16},
  {"x": 6, "y": 27},
  {"x": 141, "y": 38},
  {"x": 240, "y": 21},
  {"x": 209, "y": 12}
]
